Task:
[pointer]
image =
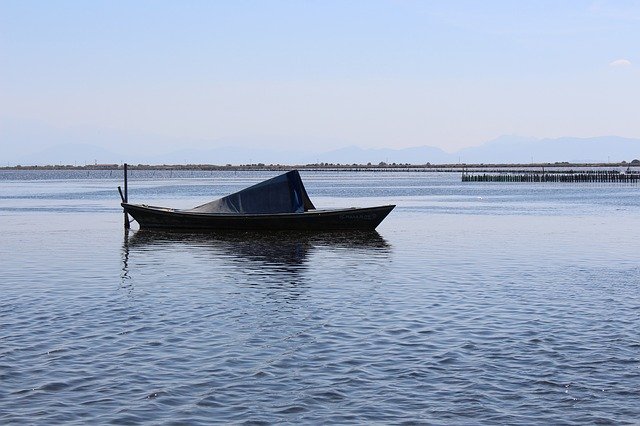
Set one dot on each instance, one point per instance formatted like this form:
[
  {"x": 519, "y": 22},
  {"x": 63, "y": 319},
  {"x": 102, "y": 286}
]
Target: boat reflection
[{"x": 282, "y": 251}]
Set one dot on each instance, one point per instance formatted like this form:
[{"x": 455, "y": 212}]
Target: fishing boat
[{"x": 279, "y": 203}]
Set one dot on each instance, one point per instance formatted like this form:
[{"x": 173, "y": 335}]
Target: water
[{"x": 472, "y": 303}]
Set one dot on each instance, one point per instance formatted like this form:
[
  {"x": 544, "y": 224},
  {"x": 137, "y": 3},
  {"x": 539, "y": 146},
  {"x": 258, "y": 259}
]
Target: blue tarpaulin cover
[{"x": 281, "y": 194}]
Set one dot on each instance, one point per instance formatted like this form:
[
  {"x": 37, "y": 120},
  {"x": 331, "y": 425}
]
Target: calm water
[{"x": 472, "y": 303}]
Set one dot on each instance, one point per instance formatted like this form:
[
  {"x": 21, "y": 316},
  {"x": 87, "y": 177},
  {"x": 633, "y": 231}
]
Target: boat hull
[{"x": 367, "y": 218}]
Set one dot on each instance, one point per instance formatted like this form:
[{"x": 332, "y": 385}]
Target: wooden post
[
  {"x": 127, "y": 225},
  {"x": 126, "y": 187}
]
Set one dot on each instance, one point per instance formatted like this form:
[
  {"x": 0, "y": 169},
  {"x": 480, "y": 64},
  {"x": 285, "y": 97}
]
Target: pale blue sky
[{"x": 387, "y": 73}]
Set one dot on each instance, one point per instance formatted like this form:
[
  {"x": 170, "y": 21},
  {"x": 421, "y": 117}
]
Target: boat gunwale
[{"x": 170, "y": 211}]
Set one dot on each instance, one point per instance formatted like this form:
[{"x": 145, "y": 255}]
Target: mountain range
[{"x": 71, "y": 149}]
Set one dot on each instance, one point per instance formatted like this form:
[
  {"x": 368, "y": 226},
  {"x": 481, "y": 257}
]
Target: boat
[{"x": 279, "y": 203}]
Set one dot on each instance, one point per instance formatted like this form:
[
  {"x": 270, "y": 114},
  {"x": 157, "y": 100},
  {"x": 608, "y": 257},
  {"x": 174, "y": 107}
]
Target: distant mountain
[
  {"x": 22, "y": 142},
  {"x": 505, "y": 149},
  {"x": 513, "y": 149},
  {"x": 227, "y": 155},
  {"x": 85, "y": 145},
  {"x": 354, "y": 154},
  {"x": 71, "y": 154}
]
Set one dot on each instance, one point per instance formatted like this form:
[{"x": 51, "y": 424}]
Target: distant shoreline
[{"x": 325, "y": 167}]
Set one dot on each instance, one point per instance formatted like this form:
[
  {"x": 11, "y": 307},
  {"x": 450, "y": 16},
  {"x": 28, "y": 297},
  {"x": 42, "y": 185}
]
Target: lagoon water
[{"x": 472, "y": 303}]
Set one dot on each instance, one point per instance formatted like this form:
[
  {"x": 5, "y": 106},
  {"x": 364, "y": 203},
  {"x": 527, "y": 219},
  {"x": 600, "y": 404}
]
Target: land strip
[{"x": 334, "y": 167}]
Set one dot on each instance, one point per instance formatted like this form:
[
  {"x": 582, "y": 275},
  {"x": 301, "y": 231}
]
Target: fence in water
[{"x": 591, "y": 176}]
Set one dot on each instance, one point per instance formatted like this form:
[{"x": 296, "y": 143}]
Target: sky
[{"x": 307, "y": 74}]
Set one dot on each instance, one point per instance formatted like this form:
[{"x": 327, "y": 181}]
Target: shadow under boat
[{"x": 288, "y": 249}]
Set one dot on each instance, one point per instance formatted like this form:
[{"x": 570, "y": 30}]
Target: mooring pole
[
  {"x": 127, "y": 225},
  {"x": 126, "y": 187}
]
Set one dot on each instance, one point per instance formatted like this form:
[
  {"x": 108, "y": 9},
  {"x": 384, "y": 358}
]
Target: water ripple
[{"x": 466, "y": 318}]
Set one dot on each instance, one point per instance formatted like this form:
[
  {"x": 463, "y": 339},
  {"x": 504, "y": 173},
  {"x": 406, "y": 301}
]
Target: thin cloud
[{"x": 620, "y": 63}]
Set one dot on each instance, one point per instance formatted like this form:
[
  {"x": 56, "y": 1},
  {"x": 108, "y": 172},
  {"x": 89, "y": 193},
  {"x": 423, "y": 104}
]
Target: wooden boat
[{"x": 280, "y": 203}]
